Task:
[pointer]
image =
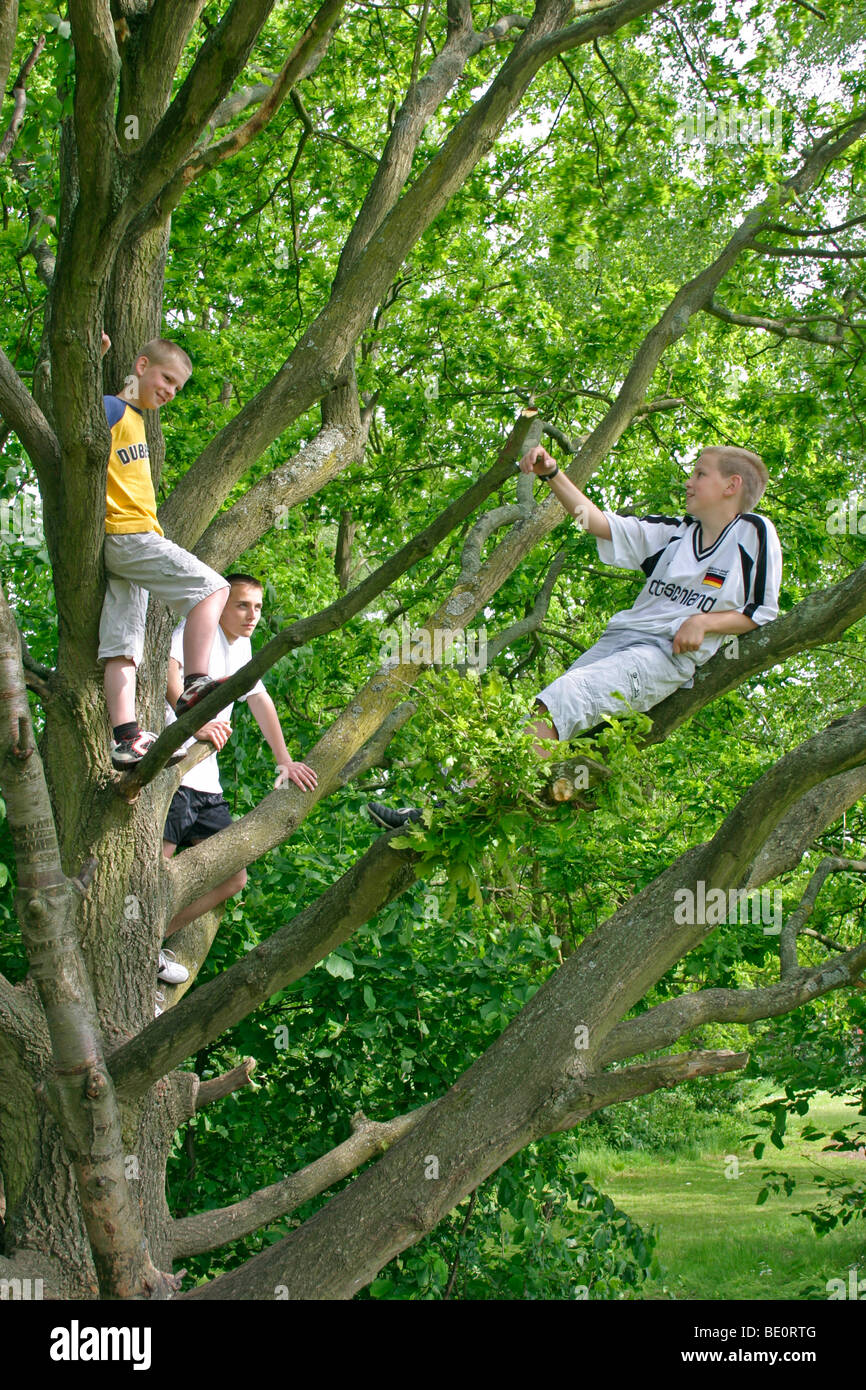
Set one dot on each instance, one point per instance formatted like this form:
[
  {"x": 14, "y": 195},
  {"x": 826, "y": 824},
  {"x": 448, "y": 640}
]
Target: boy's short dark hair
[
  {"x": 244, "y": 579},
  {"x": 749, "y": 466},
  {"x": 162, "y": 350}
]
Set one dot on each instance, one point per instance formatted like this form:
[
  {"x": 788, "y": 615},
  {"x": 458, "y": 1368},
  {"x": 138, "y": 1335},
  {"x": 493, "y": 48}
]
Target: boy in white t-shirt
[
  {"x": 198, "y": 809},
  {"x": 713, "y": 572}
]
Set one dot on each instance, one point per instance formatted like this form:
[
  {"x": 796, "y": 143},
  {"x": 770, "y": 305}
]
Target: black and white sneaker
[
  {"x": 195, "y": 691},
  {"x": 389, "y": 818},
  {"x": 129, "y": 751}
]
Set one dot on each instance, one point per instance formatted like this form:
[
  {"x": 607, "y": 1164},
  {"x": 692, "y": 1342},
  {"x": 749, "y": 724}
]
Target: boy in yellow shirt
[{"x": 139, "y": 560}]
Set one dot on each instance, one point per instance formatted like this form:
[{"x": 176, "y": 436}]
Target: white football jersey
[{"x": 740, "y": 572}]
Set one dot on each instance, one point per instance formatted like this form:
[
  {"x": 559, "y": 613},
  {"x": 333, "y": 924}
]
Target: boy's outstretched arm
[
  {"x": 693, "y": 631},
  {"x": 585, "y": 513},
  {"x": 265, "y": 713}
]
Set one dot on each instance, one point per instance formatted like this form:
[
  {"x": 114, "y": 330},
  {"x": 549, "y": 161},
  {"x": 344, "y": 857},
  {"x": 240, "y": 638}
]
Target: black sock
[
  {"x": 193, "y": 676},
  {"x": 125, "y": 731}
]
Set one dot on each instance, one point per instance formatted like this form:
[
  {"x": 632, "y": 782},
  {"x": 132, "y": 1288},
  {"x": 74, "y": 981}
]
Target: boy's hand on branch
[
  {"x": 538, "y": 460},
  {"x": 217, "y": 732},
  {"x": 106, "y": 343},
  {"x": 302, "y": 776},
  {"x": 690, "y": 636}
]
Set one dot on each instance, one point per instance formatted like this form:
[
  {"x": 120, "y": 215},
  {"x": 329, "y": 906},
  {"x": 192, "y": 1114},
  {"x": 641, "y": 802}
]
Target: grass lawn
[{"x": 714, "y": 1242}]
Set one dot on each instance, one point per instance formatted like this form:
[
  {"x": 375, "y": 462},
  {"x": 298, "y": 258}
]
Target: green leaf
[{"x": 340, "y": 968}]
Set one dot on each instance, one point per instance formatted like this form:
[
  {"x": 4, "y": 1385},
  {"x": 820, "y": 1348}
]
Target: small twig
[
  {"x": 460, "y": 1234},
  {"x": 19, "y": 93}
]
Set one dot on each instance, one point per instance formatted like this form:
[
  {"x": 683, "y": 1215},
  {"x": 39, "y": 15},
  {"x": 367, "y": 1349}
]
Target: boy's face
[
  {"x": 242, "y": 611},
  {"x": 707, "y": 489},
  {"x": 157, "y": 383}
]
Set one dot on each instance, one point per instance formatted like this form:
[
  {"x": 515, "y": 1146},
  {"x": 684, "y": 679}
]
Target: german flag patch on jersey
[{"x": 714, "y": 579}]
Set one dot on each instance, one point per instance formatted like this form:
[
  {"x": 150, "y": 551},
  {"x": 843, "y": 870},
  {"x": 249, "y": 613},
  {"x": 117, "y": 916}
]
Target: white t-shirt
[
  {"x": 226, "y": 658},
  {"x": 740, "y": 572}
]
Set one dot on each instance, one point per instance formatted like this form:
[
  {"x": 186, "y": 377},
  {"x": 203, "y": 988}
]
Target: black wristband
[{"x": 546, "y": 477}]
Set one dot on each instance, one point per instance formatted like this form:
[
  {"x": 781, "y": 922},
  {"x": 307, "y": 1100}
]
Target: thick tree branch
[
  {"x": 150, "y": 57},
  {"x": 782, "y": 328},
  {"x": 97, "y": 68},
  {"x": 39, "y": 249},
  {"x": 489, "y": 522},
  {"x": 209, "y": 1229},
  {"x": 807, "y": 818},
  {"x": 612, "y": 1088},
  {"x": 661, "y": 1026},
  {"x": 842, "y": 745},
  {"x": 268, "y": 503},
  {"x": 21, "y": 412},
  {"x": 373, "y": 752},
  {"x": 222, "y": 1086},
  {"x": 8, "y": 35},
  {"x": 422, "y": 100}
]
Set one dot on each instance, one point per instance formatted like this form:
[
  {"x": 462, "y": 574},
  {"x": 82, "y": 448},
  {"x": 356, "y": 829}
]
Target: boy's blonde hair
[
  {"x": 161, "y": 350},
  {"x": 750, "y": 467}
]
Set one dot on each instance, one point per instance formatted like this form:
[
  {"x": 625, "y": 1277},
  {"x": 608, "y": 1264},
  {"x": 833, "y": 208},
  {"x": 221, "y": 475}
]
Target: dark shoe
[
  {"x": 389, "y": 818},
  {"x": 130, "y": 751},
  {"x": 195, "y": 691}
]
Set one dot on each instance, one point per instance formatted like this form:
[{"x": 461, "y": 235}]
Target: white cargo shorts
[
  {"x": 140, "y": 563},
  {"x": 622, "y": 671}
]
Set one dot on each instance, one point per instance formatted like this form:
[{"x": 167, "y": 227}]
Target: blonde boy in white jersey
[{"x": 712, "y": 573}]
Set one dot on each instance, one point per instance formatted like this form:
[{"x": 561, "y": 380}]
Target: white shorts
[
  {"x": 139, "y": 563},
  {"x": 622, "y": 671}
]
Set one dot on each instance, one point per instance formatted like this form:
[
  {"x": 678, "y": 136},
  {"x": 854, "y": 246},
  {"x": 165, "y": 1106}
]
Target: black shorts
[{"x": 195, "y": 815}]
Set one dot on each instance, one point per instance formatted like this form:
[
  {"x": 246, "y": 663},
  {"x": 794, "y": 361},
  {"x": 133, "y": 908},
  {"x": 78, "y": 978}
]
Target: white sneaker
[
  {"x": 171, "y": 970},
  {"x": 160, "y": 1000}
]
